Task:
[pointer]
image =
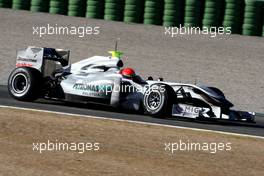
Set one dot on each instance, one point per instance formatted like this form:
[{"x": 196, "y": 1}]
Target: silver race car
[{"x": 46, "y": 73}]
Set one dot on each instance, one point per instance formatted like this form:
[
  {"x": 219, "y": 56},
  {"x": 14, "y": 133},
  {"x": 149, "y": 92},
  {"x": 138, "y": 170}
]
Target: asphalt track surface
[
  {"x": 232, "y": 63},
  {"x": 256, "y": 129}
]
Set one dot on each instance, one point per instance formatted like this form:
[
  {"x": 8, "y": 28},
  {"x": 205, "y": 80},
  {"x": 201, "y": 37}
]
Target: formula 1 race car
[{"x": 46, "y": 73}]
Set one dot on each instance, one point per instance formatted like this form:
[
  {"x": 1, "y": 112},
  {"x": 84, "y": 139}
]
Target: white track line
[{"x": 131, "y": 121}]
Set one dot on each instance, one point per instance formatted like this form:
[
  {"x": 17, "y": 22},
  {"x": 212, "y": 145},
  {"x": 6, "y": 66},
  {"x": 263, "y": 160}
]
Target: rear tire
[{"x": 24, "y": 84}]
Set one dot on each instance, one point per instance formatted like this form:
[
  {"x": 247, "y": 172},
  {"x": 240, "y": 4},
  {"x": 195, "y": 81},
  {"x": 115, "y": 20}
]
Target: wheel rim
[
  {"x": 154, "y": 100},
  {"x": 19, "y": 83}
]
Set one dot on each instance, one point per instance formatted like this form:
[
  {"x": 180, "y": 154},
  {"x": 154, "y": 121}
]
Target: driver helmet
[{"x": 128, "y": 72}]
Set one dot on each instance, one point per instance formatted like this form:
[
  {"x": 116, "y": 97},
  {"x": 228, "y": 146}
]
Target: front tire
[
  {"x": 157, "y": 101},
  {"x": 24, "y": 84}
]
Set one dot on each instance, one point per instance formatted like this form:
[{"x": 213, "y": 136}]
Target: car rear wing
[{"x": 42, "y": 58}]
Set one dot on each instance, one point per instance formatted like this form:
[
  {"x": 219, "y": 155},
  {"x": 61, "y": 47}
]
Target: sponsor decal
[
  {"x": 26, "y": 59},
  {"x": 94, "y": 90},
  {"x": 92, "y": 87},
  {"x": 189, "y": 111},
  {"x": 24, "y": 65},
  {"x": 192, "y": 109}
]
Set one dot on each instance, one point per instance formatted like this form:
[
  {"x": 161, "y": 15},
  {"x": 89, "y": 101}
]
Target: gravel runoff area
[
  {"x": 235, "y": 64},
  {"x": 124, "y": 148}
]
